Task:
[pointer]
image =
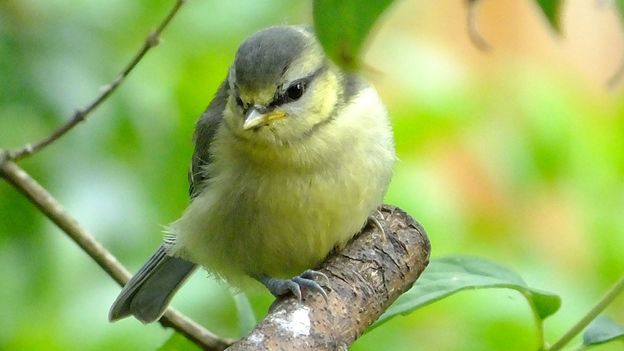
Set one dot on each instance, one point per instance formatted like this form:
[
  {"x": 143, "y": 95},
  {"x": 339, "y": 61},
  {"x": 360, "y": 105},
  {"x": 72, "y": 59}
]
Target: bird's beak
[{"x": 255, "y": 118}]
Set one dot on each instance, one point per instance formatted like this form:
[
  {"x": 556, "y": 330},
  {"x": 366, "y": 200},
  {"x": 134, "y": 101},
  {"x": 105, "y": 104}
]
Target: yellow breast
[{"x": 258, "y": 217}]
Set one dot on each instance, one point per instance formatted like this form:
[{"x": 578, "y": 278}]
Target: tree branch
[
  {"x": 366, "y": 277},
  {"x": 81, "y": 114},
  {"x": 473, "y": 32},
  {"x": 57, "y": 214}
]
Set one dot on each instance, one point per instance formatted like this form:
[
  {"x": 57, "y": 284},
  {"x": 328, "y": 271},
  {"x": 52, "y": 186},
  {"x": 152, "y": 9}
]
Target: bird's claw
[
  {"x": 316, "y": 275},
  {"x": 310, "y": 285},
  {"x": 376, "y": 223},
  {"x": 280, "y": 287}
]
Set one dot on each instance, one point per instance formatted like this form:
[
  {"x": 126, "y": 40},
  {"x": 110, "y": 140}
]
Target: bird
[{"x": 292, "y": 157}]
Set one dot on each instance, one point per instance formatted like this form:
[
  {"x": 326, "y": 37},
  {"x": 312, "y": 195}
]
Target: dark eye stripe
[
  {"x": 240, "y": 102},
  {"x": 283, "y": 97}
]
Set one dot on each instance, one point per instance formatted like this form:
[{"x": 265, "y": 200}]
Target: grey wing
[
  {"x": 205, "y": 131},
  {"x": 148, "y": 292}
]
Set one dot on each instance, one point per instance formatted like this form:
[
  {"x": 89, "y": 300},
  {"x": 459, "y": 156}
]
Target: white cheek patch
[
  {"x": 296, "y": 109},
  {"x": 306, "y": 63}
]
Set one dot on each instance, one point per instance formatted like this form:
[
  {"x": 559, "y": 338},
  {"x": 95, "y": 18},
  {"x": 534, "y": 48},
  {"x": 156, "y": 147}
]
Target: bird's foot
[
  {"x": 280, "y": 287},
  {"x": 375, "y": 222}
]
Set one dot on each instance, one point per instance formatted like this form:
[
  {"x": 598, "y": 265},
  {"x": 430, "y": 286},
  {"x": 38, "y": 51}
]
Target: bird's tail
[{"x": 148, "y": 293}]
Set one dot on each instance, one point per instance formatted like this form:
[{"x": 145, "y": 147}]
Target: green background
[{"x": 516, "y": 155}]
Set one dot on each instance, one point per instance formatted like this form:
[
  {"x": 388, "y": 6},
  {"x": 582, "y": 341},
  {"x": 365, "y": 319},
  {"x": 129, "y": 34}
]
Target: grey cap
[{"x": 266, "y": 55}]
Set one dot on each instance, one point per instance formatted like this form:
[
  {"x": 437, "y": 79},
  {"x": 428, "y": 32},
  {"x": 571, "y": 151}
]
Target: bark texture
[{"x": 365, "y": 278}]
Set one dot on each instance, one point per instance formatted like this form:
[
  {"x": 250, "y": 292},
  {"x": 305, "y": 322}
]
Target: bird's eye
[{"x": 295, "y": 91}]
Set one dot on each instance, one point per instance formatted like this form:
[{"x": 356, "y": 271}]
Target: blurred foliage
[
  {"x": 342, "y": 26},
  {"x": 510, "y": 156},
  {"x": 551, "y": 10},
  {"x": 602, "y": 330},
  {"x": 178, "y": 342},
  {"x": 449, "y": 275}
]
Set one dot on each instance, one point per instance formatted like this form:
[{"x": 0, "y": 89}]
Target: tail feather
[{"x": 149, "y": 291}]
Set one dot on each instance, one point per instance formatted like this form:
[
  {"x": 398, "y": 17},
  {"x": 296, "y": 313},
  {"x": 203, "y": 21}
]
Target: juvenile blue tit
[{"x": 291, "y": 158}]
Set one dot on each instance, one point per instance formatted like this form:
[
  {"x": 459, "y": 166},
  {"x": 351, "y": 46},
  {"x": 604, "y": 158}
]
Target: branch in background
[
  {"x": 473, "y": 33},
  {"x": 617, "y": 76},
  {"x": 57, "y": 214},
  {"x": 81, "y": 114},
  {"x": 578, "y": 327},
  {"x": 365, "y": 278}
]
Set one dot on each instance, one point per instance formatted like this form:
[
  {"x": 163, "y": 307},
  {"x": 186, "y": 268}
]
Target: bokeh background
[{"x": 515, "y": 155}]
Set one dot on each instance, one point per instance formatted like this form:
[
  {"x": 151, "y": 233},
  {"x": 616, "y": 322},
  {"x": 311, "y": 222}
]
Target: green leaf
[
  {"x": 449, "y": 275},
  {"x": 178, "y": 342},
  {"x": 619, "y": 5},
  {"x": 342, "y": 26},
  {"x": 602, "y": 330},
  {"x": 551, "y": 8},
  {"x": 246, "y": 316}
]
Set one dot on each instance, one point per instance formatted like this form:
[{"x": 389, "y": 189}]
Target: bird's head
[{"x": 281, "y": 87}]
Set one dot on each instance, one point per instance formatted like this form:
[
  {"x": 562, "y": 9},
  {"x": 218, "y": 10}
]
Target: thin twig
[
  {"x": 47, "y": 204},
  {"x": 617, "y": 76},
  {"x": 81, "y": 114},
  {"x": 610, "y": 295},
  {"x": 473, "y": 32},
  {"x": 539, "y": 324}
]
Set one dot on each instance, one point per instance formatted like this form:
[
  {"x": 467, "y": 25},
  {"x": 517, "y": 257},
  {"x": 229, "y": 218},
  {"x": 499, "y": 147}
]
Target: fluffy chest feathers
[{"x": 281, "y": 211}]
